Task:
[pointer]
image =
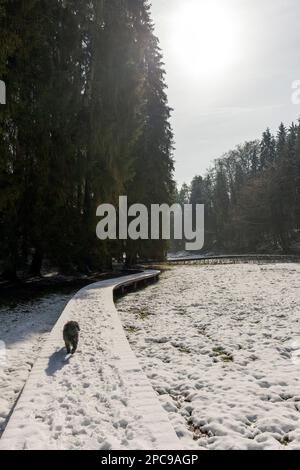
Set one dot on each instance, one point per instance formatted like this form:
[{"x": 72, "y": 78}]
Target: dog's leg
[
  {"x": 75, "y": 344},
  {"x": 68, "y": 346}
]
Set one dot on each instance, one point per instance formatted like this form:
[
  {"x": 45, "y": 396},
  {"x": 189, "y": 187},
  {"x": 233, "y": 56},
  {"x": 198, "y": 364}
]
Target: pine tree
[
  {"x": 268, "y": 149},
  {"x": 221, "y": 204},
  {"x": 153, "y": 168},
  {"x": 281, "y": 142}
]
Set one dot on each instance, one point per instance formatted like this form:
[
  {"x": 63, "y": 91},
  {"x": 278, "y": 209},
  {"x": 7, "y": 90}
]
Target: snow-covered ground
[
  {"x": 221, "y": 345},
  {"x": 97, "y": 399},
  {"x": 23, "y": 330}
]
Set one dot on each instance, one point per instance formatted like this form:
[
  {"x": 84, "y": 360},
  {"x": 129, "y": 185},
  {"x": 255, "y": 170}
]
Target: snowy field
[
  {"x": 23, "y": 329},
  {"x": 221, "y": 345}
]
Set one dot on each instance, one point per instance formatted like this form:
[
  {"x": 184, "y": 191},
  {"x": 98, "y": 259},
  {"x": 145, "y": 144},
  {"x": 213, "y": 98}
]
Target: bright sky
[{"x": 230, "y": 67}]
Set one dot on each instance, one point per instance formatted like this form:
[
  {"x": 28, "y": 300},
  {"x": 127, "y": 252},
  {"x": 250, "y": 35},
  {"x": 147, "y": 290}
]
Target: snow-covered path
[
  {"x": 97, "y": 399},
  {"x": 221, "y": 346}
]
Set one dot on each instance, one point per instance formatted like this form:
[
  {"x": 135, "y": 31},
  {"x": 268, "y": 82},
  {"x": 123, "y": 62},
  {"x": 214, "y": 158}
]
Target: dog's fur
[{"x": 71, "y": 336}]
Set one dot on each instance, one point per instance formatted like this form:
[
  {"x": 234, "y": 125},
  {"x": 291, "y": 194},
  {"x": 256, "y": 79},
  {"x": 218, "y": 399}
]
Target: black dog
[{"x": 71, "y": 336}]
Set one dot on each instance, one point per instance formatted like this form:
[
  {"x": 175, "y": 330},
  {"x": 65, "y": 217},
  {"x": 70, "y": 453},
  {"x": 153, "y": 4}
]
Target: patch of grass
[
  {"x": 227, "y": 358},
  {"x": 223, "y": 354},
  {"x": 131, "y": 329},
  {"x": 285, "y": 440},
  {"x": 181, "y": 348},
  {"x": 143, "y": 314},
  {"x": 184, "y": 350},
  {"x": 198, "y": 433}
]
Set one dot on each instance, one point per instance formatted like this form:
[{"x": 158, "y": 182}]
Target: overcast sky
[{"x": 229, "y": 72}]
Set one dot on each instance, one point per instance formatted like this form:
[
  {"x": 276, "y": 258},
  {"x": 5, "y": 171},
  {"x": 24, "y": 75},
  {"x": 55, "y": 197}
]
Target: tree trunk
[
  {"x": 10, "y": 269},
  {"x": 36, "y": 264}
]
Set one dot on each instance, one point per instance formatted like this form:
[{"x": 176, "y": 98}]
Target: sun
[{"x": 204, "y": 37}]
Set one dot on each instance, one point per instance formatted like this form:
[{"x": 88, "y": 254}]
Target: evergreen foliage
[{"x": 86, "y": 120}]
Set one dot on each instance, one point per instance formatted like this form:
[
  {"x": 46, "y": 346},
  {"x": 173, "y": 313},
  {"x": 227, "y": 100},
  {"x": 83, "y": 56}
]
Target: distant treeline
[
  {"x": 86, "y": 121},
  {"x": 251, "y": 196}
]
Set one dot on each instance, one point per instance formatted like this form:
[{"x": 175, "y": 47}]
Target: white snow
[
  {"x": 97, "y": 399},
  {"x": 23, "y": 330},
  {"x": 220, "y": 345}
]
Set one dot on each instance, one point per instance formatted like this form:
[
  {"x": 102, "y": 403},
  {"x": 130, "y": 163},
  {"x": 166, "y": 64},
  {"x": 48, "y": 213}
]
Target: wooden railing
[{"x": 236, "y": 259}]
